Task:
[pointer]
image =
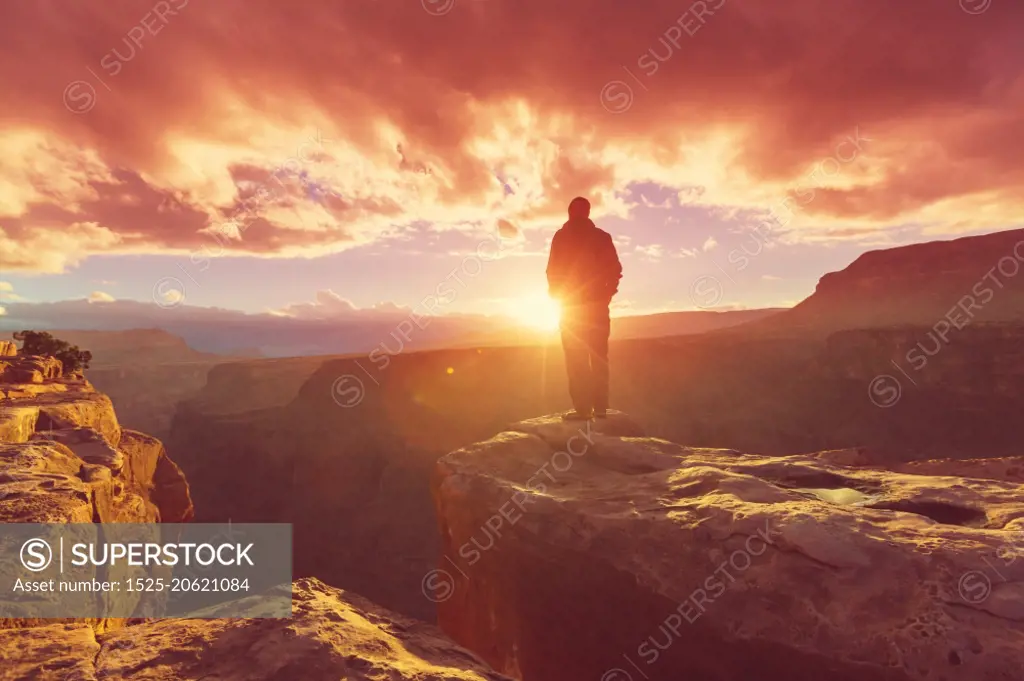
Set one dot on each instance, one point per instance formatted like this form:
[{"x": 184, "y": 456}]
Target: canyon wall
[{"x": 358, "y": 440}]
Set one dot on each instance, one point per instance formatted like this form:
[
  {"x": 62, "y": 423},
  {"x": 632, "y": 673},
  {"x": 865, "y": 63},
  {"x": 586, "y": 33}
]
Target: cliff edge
[
  {"x": 586, "y": 551},
  {"x": 65, "y": 457}
]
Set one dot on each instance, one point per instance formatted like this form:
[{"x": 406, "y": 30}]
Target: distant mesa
[{"x": 971, "y": 280}]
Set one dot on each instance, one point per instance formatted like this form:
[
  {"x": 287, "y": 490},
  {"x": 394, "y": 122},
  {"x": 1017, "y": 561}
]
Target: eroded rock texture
[
  {"x": 581, "y": 552},
  {"x": 332, "y": 635},
  {"x": 64, "y": 458}
]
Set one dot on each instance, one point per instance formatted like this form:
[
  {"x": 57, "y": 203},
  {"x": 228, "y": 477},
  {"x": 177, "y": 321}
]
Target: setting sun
[{"x": 538, "y": 312}]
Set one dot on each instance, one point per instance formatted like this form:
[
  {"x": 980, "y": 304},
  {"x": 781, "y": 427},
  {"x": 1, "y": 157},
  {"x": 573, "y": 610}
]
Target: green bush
[{"x": 42, "y": 343}]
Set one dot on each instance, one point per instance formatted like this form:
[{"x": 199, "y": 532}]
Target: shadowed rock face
[
  {"x": 367, "y": 466},
  {"x": 332, "y": 635},
  {"x": 578, "y": 552},
  {"x": 146, "y": 395}
]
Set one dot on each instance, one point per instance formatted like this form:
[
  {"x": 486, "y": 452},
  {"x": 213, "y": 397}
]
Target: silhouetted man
[{"x": 583, "y": 274}]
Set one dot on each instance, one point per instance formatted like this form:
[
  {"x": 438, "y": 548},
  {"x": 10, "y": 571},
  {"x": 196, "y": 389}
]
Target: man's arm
[
  {"x": 556, "y": 267},
  {"x": 614, "y": 267}
]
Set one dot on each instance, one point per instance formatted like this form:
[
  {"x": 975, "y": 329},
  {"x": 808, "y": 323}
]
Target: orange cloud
[{"x": 303, "y": 128}]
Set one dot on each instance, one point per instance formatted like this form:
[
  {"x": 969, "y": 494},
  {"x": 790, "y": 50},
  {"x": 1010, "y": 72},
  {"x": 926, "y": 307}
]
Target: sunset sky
[{"x": 313, "y": 159}]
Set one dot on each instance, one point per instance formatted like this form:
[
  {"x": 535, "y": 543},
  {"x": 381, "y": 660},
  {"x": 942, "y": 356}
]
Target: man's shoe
[
  {"x": 600, "y": 413},
  {"x": 576, "y": 416}
]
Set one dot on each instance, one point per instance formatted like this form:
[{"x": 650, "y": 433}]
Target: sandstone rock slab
[
  {"x": 39, "y": 483},
  {"x": 17, "y": 423},
  {"x": 31, "y": 369},
  {"x": 87, "y": 444},
  {"x": 640, "y": 558},
  {"x": 78, "y": 410}
]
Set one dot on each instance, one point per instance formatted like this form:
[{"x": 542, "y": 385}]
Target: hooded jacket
[{"x": 583, "y": 266}]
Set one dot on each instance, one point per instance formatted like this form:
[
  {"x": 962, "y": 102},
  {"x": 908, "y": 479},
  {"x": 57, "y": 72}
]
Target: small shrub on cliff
[{"x": 42, "y": 343}]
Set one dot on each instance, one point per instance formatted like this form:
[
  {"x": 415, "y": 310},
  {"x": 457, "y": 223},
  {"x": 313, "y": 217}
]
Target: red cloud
[{"x": 138, "y": 128}]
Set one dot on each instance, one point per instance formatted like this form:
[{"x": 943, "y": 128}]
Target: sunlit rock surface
[
  {"x": 65, "y": 459},
  {"x": 576, "y": 551},
  {"x": 332, "y": 635},
  {"x": 51, "y": 447}
]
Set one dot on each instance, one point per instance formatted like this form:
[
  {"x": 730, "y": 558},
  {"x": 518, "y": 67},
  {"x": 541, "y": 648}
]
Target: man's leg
[
  {"x": 599, "y": 331},
  {"x": 577, "y": 362}
]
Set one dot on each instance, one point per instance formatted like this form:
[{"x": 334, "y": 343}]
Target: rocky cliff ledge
[
  {"x": 585, "y": 552},
  {"x": 64, "y": 458}
]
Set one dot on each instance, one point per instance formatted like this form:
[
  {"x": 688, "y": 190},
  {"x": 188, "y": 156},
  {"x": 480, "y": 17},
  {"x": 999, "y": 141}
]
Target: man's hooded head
[{"x": 579, "y": 209}]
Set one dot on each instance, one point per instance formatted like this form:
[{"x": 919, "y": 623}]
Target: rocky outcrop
[
  {"x": 1009, "y": 469},
  {"x": 29, "y": 369},
  {"x": 331, "y": 635},
  {"x": 67, "y": 459},
  {"x": 581, "y": 552},
  {"x": 64, "y": 458},
  {"x": 8, "y": 348}
]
